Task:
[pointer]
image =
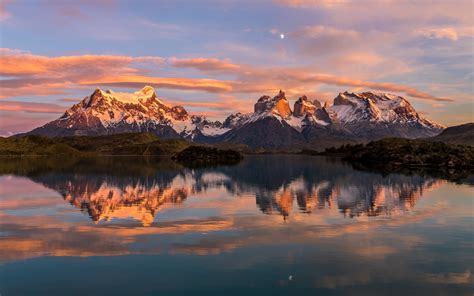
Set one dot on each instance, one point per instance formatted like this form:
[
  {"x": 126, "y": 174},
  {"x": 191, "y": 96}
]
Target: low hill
[{"x": 461, "y": 134}]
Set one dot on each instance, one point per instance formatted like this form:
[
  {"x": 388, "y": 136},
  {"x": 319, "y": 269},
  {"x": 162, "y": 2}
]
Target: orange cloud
[
  {"x": 31, "y": 107},
  {"x": 209, "y": 85},
  {"x": 16, "y": 63},
  {"x": 11, "y": 88},
  {"x": 41, "y": 75},
  {"x": 288, "y": 78}
]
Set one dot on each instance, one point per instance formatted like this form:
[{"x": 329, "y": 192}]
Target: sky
[{"x": 218, "y": 57}]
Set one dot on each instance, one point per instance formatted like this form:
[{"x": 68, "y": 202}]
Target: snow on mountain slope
[
  {"x": 206, "y": 127},
  {"x": 353, "y": 116},
  {"x": 377, "y": 107},
  {"x": 107, "y": 112},
  {"x": 236, "y": 120},
  {"x": 278, "y": 107},
  {"x": 273, "y": 125},
  {"x": 372, "y": 115},
  {"x": 138, "y": 108}
]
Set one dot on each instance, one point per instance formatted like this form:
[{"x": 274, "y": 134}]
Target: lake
[{"x": 271, "y": 225}]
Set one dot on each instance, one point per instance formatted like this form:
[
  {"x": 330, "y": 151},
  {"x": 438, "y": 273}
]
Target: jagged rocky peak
[
  {"x": 202, "y": 120},
  {"x": 324, "y": 115},
  {"x": 365, "y": 99},
  {"x": 235, "y": 120},
  {"x": 317, "y": 103},
  {"x": 148, "y": 90},
  {"x": 105, "y": 112},
  {"x": 304, "y": 106},
  {"x": 179, "y": 113},
  {"x": 343, "y": 99},
  {"x": 262, "y": 104},
  {"x": 277, "y": 105},
  {"x": 94, "y": 98},
  {"x": 109, "y": 97}
]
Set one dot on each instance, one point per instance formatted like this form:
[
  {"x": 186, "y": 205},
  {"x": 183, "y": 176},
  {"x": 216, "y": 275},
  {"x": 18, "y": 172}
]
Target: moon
[{"x": 282, "y": 36}]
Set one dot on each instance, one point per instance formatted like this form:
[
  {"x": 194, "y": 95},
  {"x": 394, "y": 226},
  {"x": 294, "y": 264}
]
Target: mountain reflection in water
[
  {"x": 137, "y": 188},
  {"x": 271, "y": 225}
]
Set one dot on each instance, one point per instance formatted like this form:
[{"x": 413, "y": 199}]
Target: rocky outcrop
[
  {"x": 236, "y": 120},
  {"x": 303, "y": 106},
  {"x": 277, "y": 105}
]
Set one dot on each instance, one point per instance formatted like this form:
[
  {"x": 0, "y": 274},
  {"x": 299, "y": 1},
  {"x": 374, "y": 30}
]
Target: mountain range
[{"x": 352, "y": 118}]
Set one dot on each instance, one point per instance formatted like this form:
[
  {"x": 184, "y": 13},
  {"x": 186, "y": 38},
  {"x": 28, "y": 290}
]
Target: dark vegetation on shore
[
  {"x": 387, "y": 154},
  {"x": 395, "y": 153},
  {"x": 138, "y": 144},
  {"x": 118, "y": 144},
  {"x": 435, "y": 159},
  {"x": 125, "y": 166}
]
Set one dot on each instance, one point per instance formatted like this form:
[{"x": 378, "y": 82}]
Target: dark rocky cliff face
[
  {"x": 303, "y": 106},
  {"x": 268, "y": 132}
]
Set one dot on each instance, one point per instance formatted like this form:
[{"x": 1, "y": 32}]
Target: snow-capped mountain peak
[
  {"x": 382, "y": 114},
  {"x": 376, "y": 107},
  {"x": 146, "y": 95},
  {"x": 353, "y": 116},
  {"x": 106, "y": 112}
]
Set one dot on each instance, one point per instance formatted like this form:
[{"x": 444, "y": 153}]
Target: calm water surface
[{"x": 272, "y": 225}]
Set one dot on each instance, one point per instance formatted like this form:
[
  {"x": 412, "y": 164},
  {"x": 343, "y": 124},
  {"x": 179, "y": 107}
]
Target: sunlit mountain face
[{"x": 306, "y": 189}]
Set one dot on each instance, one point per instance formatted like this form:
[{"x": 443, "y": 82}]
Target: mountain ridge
[
  {"x": 354, "y": 117},
  {"x": 460, "y": 134}
]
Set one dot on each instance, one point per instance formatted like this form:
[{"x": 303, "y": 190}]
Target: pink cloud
[
  {"x": 449, "y": 33},
  {"x": 4, "y": 13},
  {"x": 18, "y": 63},
  {"x": 209, "y": 85},
  {"x": 40, "y": 75},
  {"x": 31, "y": 107}
]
